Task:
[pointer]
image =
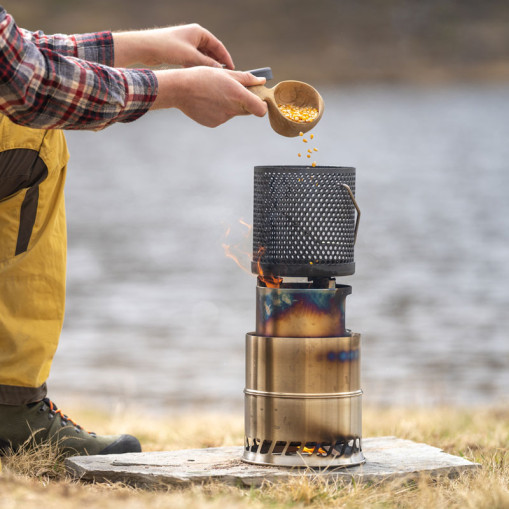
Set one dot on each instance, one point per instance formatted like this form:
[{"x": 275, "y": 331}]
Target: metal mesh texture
[{"x": 303, "y": 221}]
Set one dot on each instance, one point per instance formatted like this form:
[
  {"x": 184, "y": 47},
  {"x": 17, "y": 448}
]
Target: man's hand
[
  {"x": 207, "y": 95},
  {"x": 186, "y": 45}
]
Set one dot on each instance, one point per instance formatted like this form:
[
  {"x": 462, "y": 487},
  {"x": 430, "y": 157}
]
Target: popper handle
[
  {"x": 352, "y": 197},
  {"x": 262, "y": 72}
]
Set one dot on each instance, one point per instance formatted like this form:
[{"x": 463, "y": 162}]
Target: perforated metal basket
[{"x": 304, "y": 221}]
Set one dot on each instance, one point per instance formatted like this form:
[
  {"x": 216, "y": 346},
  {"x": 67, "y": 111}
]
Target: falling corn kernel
[
  {"x": 310, "y": 151},
  {"x": 301, "y": 134},
  {"x": 313, "y": 165},
  {"x": 311, "y": 136},
  {"x": 304, "y": 140},
  {"x": 310, "y": 263},
  {"x": 299, "y": 154},
  {"x": 309, "y": 156},
  {"x": 315, "y": 149},
  {"x": 301, "y": 114}
]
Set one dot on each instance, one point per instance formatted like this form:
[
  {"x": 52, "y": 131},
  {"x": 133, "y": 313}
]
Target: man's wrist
[
  {"x": 171, "y": 83},
  {"x": 129, "y": 48}
]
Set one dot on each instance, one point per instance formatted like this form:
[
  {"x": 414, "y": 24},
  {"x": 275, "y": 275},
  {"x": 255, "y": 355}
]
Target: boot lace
[{"x": 65, "y": 419}]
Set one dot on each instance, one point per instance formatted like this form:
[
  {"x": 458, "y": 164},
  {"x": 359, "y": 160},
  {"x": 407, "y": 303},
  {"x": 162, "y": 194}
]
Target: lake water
[{"x": 156, "y": 313}]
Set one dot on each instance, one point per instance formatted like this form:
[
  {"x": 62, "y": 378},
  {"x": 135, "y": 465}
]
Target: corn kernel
[
  {"x": 309, "y": 156},
  {"x": 299, "y": 154},
  {"x": 315, "y": 149},
  {"x": 311, "y": 136},
  {"x": 313, "y": 165},
  {"x": 301, "y": 134},
  {"x": 304, "y": 140},
  {"x": 310, "y": 151},
  {"x": 301, "y": 114}
]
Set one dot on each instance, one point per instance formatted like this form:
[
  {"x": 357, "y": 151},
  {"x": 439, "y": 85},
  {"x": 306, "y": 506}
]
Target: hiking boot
[{"x": 40, "y": 422}]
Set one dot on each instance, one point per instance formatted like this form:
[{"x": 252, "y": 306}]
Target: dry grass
[
  {"x": 34, "y": 479},
  {"x": 38, "y": 461}
]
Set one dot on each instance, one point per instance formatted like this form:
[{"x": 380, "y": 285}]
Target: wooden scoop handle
[{"x": 264, "y": 93}]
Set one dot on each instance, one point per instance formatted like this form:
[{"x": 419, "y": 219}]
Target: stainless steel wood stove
[{"x": 303, "y": 394}]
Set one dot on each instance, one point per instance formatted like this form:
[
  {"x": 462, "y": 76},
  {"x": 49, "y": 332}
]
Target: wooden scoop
[{"x": 295, "y": 93}]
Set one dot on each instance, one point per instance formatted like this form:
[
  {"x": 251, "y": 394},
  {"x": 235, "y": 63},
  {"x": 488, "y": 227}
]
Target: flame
[
  {"x": 228, "y": 253},
  {"x": 247, "y": 225},
  {"x": 310, "y": 450},
  {"x": 269, "y": 280},
  {"x": 235, "y": 252}
]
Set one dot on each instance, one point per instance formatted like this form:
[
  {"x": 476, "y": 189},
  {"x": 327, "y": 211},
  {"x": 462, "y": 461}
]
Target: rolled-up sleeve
[
  {"x": 93, "y": 47},
  {"x": 64, "y": 82}
]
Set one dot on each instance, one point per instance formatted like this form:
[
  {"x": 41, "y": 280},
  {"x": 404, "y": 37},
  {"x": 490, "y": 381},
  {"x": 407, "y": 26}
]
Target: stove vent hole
[
  {"x": 255, "y": 444},
  {"x": 308, "y": 449},
  {"x": 265, "y": 446},
  {"x": 293, "y": 448},
  {"x": 340, "y": 448},
  {"x": 324, "y": 449},
  {"x": 279, "y": 447},
  {"x": 350, "y": 448},
  {"x": 347, "y": 447}
]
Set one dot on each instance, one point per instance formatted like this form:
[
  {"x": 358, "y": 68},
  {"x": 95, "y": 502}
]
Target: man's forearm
[
  {"x": 184, "y": 45},
  {"x": 131, "y": 48}
]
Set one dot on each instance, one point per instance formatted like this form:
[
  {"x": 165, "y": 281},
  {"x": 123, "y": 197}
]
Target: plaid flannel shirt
[{"x": 66, "y": 81}]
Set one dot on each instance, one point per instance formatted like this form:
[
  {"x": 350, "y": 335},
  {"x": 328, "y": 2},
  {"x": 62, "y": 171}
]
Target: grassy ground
[{"x": 482, "y": 435}]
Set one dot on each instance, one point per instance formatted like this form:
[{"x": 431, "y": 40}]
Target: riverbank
[
  {"x": 480, "y": 435},
  {"x": 333, "y": 42}
]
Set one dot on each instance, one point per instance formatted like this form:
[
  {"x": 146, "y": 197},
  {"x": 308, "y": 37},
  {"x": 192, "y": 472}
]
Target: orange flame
[
  {"x": 228, "y": 252},
  {"x": 310, "y": 450},
  {"x": 247, "y": 225},
  {"x": 235, "y": 252},
  {"x": 269, "y": 280}
]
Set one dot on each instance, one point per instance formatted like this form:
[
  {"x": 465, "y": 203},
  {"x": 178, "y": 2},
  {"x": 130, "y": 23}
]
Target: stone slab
[{"x": 386, "y": 458}]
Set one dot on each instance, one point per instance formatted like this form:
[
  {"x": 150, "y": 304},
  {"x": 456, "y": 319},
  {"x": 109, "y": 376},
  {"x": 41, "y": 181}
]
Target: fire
[
  {"x": 228, "y": 252},
  {"x": 269, "y": 280},
  {"x": 247, "y": 225},
  {"x": 310, "y": 450},
  {"x": 235, "y": 251}
]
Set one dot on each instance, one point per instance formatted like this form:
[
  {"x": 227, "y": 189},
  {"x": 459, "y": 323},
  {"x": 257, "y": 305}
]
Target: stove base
[
  {"x": 305, "y": 460},
  {"x": 303, "y": 401}
]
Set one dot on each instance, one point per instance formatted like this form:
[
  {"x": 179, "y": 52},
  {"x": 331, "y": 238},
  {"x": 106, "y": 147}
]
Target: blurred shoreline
[{"x": 330, "y": 42}]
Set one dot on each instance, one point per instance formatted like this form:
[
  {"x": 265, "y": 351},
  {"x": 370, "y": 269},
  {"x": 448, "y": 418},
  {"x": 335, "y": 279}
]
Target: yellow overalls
[{"x": 33, "y": 245}]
